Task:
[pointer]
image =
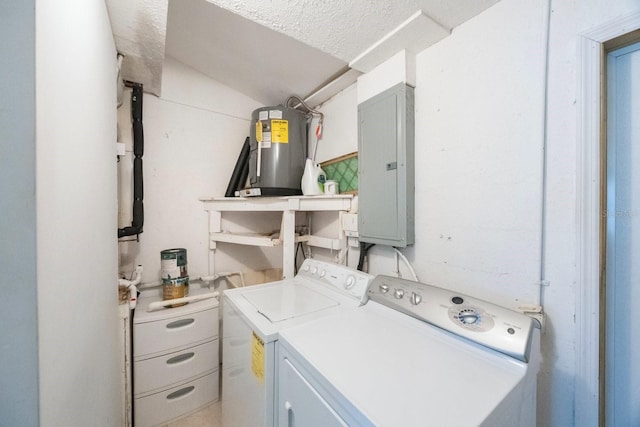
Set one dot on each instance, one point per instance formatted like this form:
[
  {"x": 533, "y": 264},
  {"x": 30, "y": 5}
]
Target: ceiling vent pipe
[{"x": 138, "y": 150}]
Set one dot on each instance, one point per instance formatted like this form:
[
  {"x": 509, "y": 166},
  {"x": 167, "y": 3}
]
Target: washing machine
[
  {"x": 413, "y": 355},
  {"x": 253, "y": 318}
]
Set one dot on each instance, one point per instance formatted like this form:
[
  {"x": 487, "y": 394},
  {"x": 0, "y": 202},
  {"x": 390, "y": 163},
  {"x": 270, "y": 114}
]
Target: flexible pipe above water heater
[{"x": 311, "y": 112}]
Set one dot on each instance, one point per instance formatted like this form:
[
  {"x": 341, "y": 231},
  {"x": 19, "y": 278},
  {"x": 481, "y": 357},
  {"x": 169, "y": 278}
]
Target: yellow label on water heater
[
  {"x": 259, "y": 131},
  {"x": 257, "y": 357},
  {"x": 280, "y": 131}
]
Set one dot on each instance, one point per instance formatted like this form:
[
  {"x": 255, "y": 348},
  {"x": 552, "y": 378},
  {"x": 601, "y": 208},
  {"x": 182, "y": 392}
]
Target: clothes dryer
[{"x": 414, "y": 355}]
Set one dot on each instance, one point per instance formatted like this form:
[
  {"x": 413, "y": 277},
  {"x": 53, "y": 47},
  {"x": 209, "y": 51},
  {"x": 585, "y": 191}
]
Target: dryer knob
[
  {"x": 314, "y": 270},
  {"x": 323, "y": 273},
  {"x": 350, "y": 282},
  {"x": 306, "y": 268},
  {"x": 384, "y": 289},
  {"x": 415, "y": 298},
  {"x": 398, "y": 293},
  {"x": 468, "y": 317}
]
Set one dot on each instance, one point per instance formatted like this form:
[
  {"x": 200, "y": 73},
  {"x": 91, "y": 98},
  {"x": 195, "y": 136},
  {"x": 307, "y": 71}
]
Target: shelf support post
[
  {"x": 287, "y": 235},
  {"x": 215, "y": 226}
]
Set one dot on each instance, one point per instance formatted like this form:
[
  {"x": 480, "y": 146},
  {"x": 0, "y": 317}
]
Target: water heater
[{"x": 278, "y": 150}]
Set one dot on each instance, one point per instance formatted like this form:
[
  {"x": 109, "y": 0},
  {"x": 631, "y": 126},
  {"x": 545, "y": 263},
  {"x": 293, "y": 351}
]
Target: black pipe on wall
[{"x": 138, "y": 152}]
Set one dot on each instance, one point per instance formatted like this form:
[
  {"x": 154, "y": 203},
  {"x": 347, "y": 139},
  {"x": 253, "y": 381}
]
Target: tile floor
[{"x": 209, "y": 417}]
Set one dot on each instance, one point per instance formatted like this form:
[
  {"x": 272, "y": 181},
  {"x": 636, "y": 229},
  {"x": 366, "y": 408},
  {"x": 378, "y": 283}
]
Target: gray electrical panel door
[{"x": 386, "y": 168}]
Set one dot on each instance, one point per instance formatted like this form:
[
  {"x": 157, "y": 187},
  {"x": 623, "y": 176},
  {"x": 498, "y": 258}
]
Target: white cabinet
[
  {"x": 287, "y": 238},
  {"x": 175, "y": 359}
]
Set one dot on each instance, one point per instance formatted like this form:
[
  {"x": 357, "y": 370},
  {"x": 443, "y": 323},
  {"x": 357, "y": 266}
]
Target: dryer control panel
[
  {"x": 490, "y": 325},
  {"x": 339, "y": 277}
]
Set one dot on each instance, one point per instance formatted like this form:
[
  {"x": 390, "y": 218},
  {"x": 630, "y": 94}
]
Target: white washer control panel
[
  {"x": 490, "y": 325},
  {"x": 340, "y": 277}
]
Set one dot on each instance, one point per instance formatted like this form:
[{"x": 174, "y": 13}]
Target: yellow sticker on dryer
[
  {"x": 280, "y": 131},
  {"x": 257, "y": 357}
]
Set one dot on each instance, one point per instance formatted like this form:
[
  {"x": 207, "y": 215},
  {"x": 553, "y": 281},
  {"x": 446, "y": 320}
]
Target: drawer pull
[
  {"x": 180, "y": 393},
  {"x": 180, "y": 323},
  {"x": 180, "y": 358}
]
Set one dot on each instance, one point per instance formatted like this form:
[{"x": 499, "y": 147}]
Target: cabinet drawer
[
  {"x": 160, "y": 336},
  {"x": 162, "y": 371},
  {"x": 178, "y": 401}
]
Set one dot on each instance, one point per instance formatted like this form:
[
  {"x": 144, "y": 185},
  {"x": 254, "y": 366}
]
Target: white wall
[
  {"x": 479, "y": 144},
  {"x": 19, "y": 335},
  {"x": 479, "y": 155},
  {"x": 568, "y": 21},
  {"x": 400, "y": 68},
  {"x": 193, "y": 136},
  {"x": 76, "y": 215},
  {"x": 480, "y": 126},
  {"x": 340, "y": 132}
]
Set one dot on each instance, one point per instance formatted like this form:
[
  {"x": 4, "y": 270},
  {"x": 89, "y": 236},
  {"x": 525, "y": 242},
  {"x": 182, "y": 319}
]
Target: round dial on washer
[
  {"x": 306, "y": 268},
  {"x": 384, "y": 288},
  {"x": 398, "y": 293},
  {"x": 314, "y": 270},
  {"x": 323, "y": 272}
]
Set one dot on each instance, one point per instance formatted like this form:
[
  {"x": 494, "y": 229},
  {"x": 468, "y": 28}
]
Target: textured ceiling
[
  {"x": 266, "y": 65},
  {"x": 270, "y": 49},
  {"x": 139, "y": 30},
  {"x": 345, "y": 29}
]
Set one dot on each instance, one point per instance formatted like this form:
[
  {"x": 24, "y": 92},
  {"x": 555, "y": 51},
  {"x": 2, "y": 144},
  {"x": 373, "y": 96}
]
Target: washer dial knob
[
  {"x": 384, "y": 289},
  {"x": 398, "y": 293},
  {"x": 323, "y": 273}
]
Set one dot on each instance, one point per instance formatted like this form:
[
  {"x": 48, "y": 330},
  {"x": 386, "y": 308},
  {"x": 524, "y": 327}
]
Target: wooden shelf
[
  {"x": 216, "y": 206},
  {"x": 252, "y": 239},
  {"x": 341, "y": 202}
]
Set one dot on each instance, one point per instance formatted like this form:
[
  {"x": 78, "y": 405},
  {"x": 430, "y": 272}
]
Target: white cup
[{"x": 330, "y": 187}]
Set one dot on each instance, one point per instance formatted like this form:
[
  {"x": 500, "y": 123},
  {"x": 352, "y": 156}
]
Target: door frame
[{"x": 590, "y": 169}]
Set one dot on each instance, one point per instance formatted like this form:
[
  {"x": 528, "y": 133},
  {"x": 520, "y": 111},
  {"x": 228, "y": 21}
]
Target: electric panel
[{"x": 386, "y": 167}]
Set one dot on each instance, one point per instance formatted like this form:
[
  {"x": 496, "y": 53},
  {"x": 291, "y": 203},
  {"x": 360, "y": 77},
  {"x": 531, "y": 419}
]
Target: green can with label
[{"x": 174, "y": 263}]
